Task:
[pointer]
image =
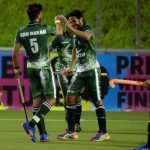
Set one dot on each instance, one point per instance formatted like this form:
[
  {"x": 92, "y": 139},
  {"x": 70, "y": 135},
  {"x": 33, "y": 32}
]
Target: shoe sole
[
  {"x": 44, "y": 141},
  {"x": 59, "y": 138},
  {"x": 78, "y": 130}
]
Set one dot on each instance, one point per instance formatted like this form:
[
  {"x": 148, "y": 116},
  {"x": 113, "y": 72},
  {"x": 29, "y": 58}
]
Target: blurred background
[
  {"x": 122, "y": 38},
  {"x": 119, "y": 23}
]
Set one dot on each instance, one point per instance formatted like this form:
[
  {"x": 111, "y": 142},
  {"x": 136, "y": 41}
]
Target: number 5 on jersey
[{"x": 34, "y": 45}]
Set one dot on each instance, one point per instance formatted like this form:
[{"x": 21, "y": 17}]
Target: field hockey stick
[
  {"x": 112, "y": 82},
  {"x": 22, "y": 98}
]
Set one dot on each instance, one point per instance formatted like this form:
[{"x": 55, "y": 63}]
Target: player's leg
[
  {"x": 78, "y": 111},
  {"x": 48, "y": 87},
  {"x": 78, "y": 116},
  {"x": 95, "y": 94},
  {"x": 36, "y": 95},
  {"x": 73, "y": 97},
  {"x": 71, "y": 111},
  {"x": 63, "y": 83},
  {"x": 41, "y": 123},
  {"x": 49, "y": 90}
]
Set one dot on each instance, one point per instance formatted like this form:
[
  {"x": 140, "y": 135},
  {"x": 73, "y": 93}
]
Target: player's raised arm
[{"x": 59, "y": 29}]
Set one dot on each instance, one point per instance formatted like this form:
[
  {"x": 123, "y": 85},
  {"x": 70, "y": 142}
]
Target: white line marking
[{"x": 82, "y": 120}]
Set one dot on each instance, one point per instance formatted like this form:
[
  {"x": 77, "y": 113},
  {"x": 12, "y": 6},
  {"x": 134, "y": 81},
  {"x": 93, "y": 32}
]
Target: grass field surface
[{"x": 127, "y": 130}]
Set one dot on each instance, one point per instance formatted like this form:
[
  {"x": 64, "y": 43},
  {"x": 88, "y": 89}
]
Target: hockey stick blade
[{"x": 112, "y": 82}]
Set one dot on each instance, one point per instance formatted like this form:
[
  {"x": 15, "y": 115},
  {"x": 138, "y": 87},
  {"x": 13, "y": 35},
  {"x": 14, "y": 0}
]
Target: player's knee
[
  {"x": 71, "y": 100},
  {"x": 37, "y": 102},
  {"x": 78, "y": 100},
  {"x": 98, "y": 103},
  {"x": 52, "y": 101}
]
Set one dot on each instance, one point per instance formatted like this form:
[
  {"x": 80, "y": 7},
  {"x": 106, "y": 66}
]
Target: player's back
[{"x": 34, "y": 38}]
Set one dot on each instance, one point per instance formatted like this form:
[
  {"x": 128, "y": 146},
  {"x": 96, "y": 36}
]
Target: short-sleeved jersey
[
  {"x": 64, "y": 45},
  {"x": 34, "y": 38},
  {"x": 86, "y": 52}
]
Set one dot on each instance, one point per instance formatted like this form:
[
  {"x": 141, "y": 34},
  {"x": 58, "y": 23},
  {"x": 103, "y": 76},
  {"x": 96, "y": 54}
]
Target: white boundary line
[{"x": 82, "y": 120}]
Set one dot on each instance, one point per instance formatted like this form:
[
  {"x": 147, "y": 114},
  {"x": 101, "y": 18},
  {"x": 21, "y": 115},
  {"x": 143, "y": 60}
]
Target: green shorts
[
  {"x": 89, "y": 79},
  {"x": 64, "y": 82},
  {"x": 42, "y": 82}
]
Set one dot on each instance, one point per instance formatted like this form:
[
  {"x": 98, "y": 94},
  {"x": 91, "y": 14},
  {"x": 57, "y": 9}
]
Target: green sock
[
  {"x": 100, "y": 112},
  {"x": 71, "y": 110},
  {"x": 43, "y": 110},
  {"x": 78, "y": 114},
  {"x": 41, "y": 123}
]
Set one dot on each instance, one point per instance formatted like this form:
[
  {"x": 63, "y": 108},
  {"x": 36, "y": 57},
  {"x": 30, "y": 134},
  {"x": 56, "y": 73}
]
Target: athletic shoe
[
  {"x": 100, "y": 136},
  {"x": 143, "y": 147},
  {"x": 78, "y": 128},
  {"x": 67, "y": 135},
  {"x": 30, "y": 131},
  {"x": 44, "y": 138}
]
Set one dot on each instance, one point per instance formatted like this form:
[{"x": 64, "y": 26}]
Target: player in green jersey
[
  {"x": 33, "y": 37},
  {"x": 87, "y": 75},
  {"x": 64, "y": 45}
]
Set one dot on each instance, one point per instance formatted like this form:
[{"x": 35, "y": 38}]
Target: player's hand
[
  {"x": 58, "y": 19},
  {"x": 67, "y": 72},
  {"x": 64, "y": 20},
  {"x": 17, "y": 72},
  {"x": 147, "y": 83}
]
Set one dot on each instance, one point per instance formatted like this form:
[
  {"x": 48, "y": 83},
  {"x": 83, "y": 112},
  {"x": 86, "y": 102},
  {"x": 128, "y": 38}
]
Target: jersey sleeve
[
  {"x": 55, "y": 42},
  {"x": 17, "y": 38},
  {"x": 50, "y": 30},
  {"x": 87, "y": 28}
]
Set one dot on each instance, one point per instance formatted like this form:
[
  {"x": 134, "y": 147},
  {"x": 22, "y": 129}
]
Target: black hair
[
  {"x": 33, "y": 10},
  {"x": 77, "y": 13},
  {"x": 67, "y": 17}
]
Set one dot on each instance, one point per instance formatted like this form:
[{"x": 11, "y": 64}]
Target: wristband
[{"x": 57, "y": 21}]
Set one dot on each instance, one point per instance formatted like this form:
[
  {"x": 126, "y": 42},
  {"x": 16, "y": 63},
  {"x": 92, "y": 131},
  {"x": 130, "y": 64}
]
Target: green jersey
[
  {"x": 34, "y": 38},
  {"x": 64, "y": 45},
  {"x": 86, "y": 52}
]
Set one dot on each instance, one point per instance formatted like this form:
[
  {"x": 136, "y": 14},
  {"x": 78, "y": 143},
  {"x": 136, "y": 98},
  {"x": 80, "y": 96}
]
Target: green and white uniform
[
  {"x": 88, "y": 70},
  {"x": 64, "y": 45},
  {"x": 34, "y": 38}
]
